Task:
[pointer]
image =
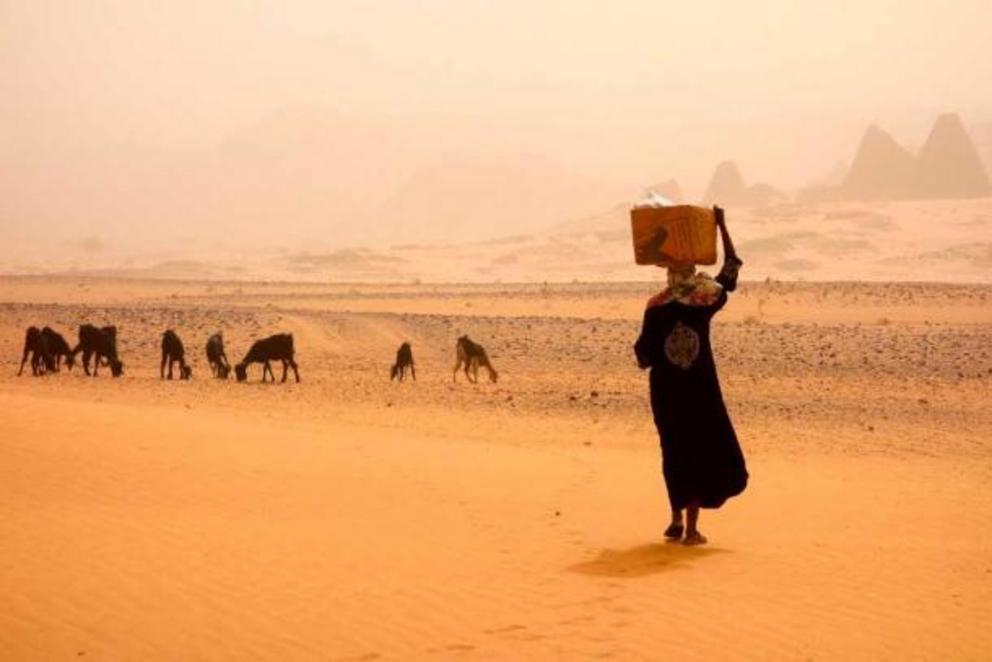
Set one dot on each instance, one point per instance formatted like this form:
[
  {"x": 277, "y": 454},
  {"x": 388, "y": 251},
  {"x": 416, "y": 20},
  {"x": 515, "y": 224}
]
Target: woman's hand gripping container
[{"x": 666, "y": 235}]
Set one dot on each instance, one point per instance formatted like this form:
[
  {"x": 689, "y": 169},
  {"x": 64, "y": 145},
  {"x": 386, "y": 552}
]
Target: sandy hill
[
  {"x": 316, "y": 178},
  {"x": 932, "y": 240}
]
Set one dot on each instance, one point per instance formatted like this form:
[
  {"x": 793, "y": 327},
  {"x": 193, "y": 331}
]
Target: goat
[
  {"x": 98, "y": 343},
  {"x": 216, "y": 357},
  {"x": 173, "y": 351},
  {"x": 274, "y": 348},
  {"x": 472, "y": 355},
  {"x": 34, "y": 344},
  {"x": 404, "y": 360},
  {"x": 57, "y": 349}
]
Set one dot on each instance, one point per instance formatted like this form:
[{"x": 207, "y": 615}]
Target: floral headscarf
[{"x": 688, "y": 287}]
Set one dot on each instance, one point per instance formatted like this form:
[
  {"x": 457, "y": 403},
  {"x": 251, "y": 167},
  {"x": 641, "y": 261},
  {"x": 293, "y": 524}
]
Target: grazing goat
[
  {"x": 274, "y": 348},
  {"x": 173, "y": 351},
  {"x": 472, "y": 355},
  {"x": 57, "y": 349},
  {"x": 216, "y": 357},
  {"x": 34, "y": 344},
  {"x": 404, "y": 360},
  {"x": 100, "y": 344}
]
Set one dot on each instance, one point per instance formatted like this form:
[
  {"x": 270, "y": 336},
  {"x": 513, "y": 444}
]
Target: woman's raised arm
[{"x": 731, "y": 263}]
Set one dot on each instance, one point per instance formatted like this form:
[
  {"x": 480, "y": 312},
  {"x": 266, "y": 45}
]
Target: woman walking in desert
[{"x": 701, "y": 460}]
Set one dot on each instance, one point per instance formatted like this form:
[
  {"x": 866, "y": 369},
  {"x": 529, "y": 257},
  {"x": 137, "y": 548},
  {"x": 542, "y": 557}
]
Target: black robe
[{"x": 701, "y": 458}]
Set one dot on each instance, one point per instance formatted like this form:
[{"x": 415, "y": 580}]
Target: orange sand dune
[{"x": 142, "y": 532}]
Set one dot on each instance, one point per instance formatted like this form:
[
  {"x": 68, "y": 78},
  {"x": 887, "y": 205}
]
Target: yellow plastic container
[{"x": 680, "y": 234}]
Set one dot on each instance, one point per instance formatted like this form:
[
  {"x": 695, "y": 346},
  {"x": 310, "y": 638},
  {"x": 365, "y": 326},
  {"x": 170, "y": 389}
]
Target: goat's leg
[
  {"x": 296, "y": 371},
  {"x": 454, "y": 375},
  {"x": 268, "y": 368},
  {"x": 285, "y": 368},
  {"x": 24, "y": 360},
  {"x": 413, "y": 372},
  {"x": 96, "y": 362},
  {"x": 161, "y": 368}
]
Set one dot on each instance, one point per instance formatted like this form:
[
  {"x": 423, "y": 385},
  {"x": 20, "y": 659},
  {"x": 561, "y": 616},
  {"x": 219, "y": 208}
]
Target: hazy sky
[{"x": 122, "y": 114}]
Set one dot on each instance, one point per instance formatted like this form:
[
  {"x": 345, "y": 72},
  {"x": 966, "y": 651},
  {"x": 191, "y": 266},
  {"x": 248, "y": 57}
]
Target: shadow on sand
[{"x": 643, "y": 560}]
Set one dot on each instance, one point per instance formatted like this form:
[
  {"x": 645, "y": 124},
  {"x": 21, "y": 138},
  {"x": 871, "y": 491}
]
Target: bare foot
[
  {"x": 694, "y": 538},
  {"x": 674, "y": 531}
]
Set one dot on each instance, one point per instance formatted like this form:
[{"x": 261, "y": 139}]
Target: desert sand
[
  {"x": 947, "y": 241},
  {"x": 350, "y": 518}
]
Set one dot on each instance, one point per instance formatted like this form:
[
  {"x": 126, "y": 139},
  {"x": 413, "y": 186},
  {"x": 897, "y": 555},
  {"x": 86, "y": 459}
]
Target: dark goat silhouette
[
  {"x": 274, "y": 348},
  {"x": 172, "y": 352},
  {"x": 216, "y": 357},
  {"x": 57, "y": 349},
  {"x": 404, "y": 360},
  {"x": 35, "y": 346},
  {"x": 47, "y": 348},
  {"x": 99, "y": 344},
  {"x": 472, "y": 356}
]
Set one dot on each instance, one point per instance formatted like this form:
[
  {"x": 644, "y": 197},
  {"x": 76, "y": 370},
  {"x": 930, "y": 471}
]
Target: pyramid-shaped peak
[
  {"x": 726, "y": 185},
  {"x": 875, "y": 131},
  {"x": 882, "y": 169},
  {"x": 877, "y": 137},
  {"x": 729, "y": 172},
  {"x": 949, "y": 165},
  {"x": 949, "y": 122}
]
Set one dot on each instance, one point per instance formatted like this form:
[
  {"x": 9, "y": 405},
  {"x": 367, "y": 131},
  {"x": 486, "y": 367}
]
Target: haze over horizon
[{"x": 344, "y": 123}]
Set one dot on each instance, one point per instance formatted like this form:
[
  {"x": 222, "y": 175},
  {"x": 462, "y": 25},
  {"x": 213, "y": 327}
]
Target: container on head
[{"x": 673, "y": 235}]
